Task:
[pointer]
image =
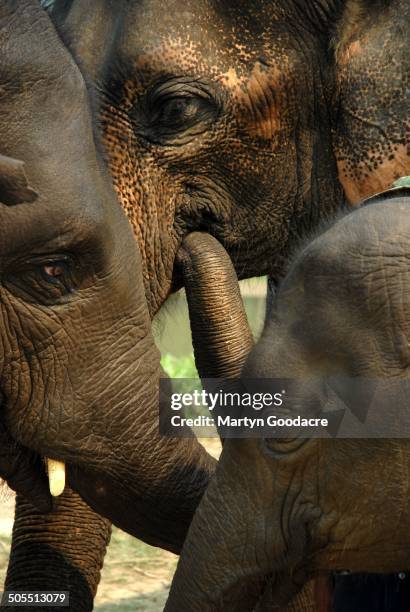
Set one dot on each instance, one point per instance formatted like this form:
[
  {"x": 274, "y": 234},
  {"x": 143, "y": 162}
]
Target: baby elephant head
[{"x": 284, "y": 509}]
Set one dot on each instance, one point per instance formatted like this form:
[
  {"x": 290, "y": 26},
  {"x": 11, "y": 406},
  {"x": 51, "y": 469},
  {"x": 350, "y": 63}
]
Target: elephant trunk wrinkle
[{"x": 220, "y": 331}]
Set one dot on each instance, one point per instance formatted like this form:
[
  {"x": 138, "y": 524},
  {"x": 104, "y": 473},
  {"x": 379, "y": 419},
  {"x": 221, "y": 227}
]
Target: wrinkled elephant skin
[{"x": 294, "y": 508}]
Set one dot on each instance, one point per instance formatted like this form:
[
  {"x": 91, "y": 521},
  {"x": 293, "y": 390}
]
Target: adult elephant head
[
  {"x": 60, "y": 247},
  {"x": 285, "y": 509},
  {"x": 244, "y": 119}
]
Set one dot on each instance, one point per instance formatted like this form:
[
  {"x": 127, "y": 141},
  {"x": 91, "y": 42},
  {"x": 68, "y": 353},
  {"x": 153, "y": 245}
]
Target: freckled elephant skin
[
  {"x": 239, "y": 118},
  {"x": 201, "y": 114},
  {"x": 294, "y": 508},
  {"x": 373, "y": 83}
]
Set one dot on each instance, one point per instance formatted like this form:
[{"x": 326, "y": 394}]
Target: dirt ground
[{"x": 135, "y": 576}]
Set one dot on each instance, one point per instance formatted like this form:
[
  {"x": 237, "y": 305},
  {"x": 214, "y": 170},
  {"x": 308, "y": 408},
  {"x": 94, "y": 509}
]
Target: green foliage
[
  {"x": 183, "y": 372},
  {"x": 179, "y": 367}
]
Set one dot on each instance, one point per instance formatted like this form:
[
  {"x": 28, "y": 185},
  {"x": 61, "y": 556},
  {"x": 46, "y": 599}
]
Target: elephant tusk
[{"x": 56, "y": 476}]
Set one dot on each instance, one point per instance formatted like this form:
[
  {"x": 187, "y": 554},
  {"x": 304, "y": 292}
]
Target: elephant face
[
  {"x": 290, "y": 508},
  {"x": 200, "y": 114},
  {"x": 73, "y": 317},
  {"x": 237, "y": 117}
]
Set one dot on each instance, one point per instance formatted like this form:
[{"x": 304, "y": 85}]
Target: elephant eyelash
[
  {"x": 191, "y": 110},
  {"x": 42, "y": 259},
  {"x": 171, "y": 85}
]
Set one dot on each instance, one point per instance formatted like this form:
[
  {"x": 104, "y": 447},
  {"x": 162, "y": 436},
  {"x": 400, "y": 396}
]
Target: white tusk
[{"x": 56, "y": 476}]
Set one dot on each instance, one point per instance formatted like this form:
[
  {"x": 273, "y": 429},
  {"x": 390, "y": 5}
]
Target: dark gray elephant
[{"x": 287, "y": 509}]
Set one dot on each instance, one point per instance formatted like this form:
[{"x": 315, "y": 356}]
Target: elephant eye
[
  {"x": 175, "y": 111},
  {"x": 178, "y": 112},
  {"x": 56, "y": 277},
  {"x": 46, "y": 280},
  {"x": 53, "y": 272}
]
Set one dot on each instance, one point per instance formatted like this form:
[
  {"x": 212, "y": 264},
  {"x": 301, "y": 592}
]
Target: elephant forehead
[
  {"x": 199, "y": 47},
  {"x": 227, "y": 27},
  {"x": 378, "y": 230},
  {"x": 358, "y": 268},
  {"x": 206, "y": 37}
]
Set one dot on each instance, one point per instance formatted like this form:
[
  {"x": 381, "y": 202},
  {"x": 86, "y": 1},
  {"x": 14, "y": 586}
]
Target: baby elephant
[{"x": 280, "y": 511}]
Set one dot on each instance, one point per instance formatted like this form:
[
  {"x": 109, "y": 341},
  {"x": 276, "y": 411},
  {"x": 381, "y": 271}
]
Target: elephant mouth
[{"x": 25, "y": 471}]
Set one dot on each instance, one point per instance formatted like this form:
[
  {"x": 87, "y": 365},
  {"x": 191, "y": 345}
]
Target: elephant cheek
[{"x": 149, "y": 198}]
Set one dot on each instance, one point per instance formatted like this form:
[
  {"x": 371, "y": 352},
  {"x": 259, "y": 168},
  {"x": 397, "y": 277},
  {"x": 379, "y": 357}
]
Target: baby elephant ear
[{"x": 14, "y": 187}]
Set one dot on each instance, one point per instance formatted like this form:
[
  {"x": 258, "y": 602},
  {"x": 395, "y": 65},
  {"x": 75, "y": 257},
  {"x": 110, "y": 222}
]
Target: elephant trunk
[
  {"x": 230, "y": 563},
  {"x": 22, "y": 470},
  {"x": 220, "y": 331},
  {"x": 216, "y": 570},
  {"x": 170, "y": 474},
  {"x": 222, "y": 566},
  {"x": 179, "y": 474},
  {"x": 71, "y": 563},
  {"x": 171, "y": 483}
]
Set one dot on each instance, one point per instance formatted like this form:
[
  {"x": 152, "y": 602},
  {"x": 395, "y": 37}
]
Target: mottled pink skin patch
[
  {"x": 365, "y": 185},
  {"x": 372, "y": 120},
  {"x": 260, "y": 99}
]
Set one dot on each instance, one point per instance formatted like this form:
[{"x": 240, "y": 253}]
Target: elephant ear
[
  {"x": 371, "y": 135},
  {"x": 14, "y": 186}
]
